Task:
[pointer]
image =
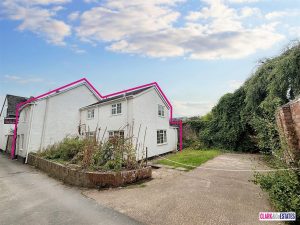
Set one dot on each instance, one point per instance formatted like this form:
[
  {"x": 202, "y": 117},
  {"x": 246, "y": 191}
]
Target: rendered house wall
[
  {"x": 145, "y": 112},
  {"x": 140, "y": 110},
  {"x": 53, "y": 118},
  {"x": 103, "y": 118},
  {"x": 23, "y": 129}
]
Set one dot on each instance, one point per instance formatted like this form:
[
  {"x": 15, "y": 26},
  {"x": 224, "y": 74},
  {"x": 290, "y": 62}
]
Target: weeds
[{"x": 89, "y": 153}]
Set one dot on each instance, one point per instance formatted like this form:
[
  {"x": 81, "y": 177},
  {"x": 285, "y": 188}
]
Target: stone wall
[
  {"x": 288, "y": 121},
  {"x": 88, "y": 179}
]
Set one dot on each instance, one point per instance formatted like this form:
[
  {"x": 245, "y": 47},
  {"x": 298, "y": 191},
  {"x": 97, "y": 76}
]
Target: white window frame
[
  {"x": 161, "y": 137},
  {"x": 114, "y": 133},
  {"x": 116, "y": 109},
  {"x": 90, "y": 114},
  {"x": 161, "y": 111}
]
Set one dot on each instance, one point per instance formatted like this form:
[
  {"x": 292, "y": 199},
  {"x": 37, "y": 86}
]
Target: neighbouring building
[
  {"x": 80, "y": 110},
  {"x": 7, "y": 120}
]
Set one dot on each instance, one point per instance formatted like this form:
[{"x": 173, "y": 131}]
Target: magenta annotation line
[{"x": 20, "y": 105}]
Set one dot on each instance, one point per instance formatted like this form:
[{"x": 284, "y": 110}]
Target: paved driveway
[
  {"x": 28, "y": 196},
  {"x": 195, "y": 197}
]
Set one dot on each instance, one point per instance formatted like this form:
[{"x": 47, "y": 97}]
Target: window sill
[
  {"x": 119, "y": 114},
  {"x": 162, "y": 144}
]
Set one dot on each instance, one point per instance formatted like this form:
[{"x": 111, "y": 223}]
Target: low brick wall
[
  {"x": 288, "y": 121},
  {"x": 88, "y": 179}
]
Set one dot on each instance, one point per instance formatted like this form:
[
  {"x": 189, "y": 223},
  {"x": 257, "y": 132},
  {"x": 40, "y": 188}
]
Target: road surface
[{"x": 28, "y": 196}]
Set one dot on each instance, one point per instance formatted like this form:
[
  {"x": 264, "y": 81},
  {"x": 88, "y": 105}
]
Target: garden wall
[
  {"x": 288, "y": 121},
  {"x": 88, "y": 179}
]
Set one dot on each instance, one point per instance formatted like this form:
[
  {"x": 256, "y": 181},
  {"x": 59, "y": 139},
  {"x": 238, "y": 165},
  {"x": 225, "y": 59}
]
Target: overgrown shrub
[
  {"x": 283, "y": 188},
  {"x": 245, "y": 120},
  {"x": 113, "y": 154},
  {"x": 65, "y": 150}
]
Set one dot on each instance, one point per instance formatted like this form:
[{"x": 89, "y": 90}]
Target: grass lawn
[{"x": 189, "y": 157}]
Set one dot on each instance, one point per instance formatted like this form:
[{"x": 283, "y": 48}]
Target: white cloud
[
  {"x": 151, "y": 28},
  {"x": 74, "y": 16},
  {"x": 37, "y": 19},
  {"x": 119, "y": 19},
  {"x": 23, "y": 80},
  {"x": 275, "y": 15},
  {"x": 76, "y": 49},
  {"x": 242, "y": 1},
  {"x": 284, "y": 13},
  {"x": 39, "y": 2},
  {"x": 186, "y": 108},
  {"x": 248, "y": 11}
]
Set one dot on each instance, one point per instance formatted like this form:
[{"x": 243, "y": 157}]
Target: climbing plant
[{"x": 245, "y": 120}]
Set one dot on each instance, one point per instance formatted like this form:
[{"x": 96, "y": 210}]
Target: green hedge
[{"x": 283, "y": 188}]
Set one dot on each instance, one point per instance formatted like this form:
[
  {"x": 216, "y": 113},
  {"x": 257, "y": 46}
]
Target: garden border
[{"x": 88, "y": 179}]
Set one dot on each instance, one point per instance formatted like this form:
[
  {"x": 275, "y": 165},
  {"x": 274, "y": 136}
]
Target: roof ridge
[{"x": 118, "y": 96}]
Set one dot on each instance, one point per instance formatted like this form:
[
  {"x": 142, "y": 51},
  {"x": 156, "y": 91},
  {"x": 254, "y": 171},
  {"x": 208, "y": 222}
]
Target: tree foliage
[{"x": 245, "y": 120}]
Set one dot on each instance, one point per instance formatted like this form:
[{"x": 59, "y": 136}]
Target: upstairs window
[
  {"x": 161, "y": 136},
  {"x": 116, "y": 109},
  {"x": 117, "y": 133},
  {"x": 91, "y": 114},
  {"x": 161, "y": 110}
]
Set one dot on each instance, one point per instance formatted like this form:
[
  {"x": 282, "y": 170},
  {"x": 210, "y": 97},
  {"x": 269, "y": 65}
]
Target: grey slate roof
[
  {"x": 131, "y": 93},
  {"x": 12, "y": 102}
]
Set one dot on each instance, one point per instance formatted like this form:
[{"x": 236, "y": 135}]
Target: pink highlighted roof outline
[{"x": 18, "y": 108}]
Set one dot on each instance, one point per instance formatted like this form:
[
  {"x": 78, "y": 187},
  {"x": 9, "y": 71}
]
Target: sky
[{"x": 197, "y": 50}]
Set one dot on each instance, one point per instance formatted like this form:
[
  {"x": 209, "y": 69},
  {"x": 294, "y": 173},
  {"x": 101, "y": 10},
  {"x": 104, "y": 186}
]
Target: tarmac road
[{"x": 28, "y": 196}]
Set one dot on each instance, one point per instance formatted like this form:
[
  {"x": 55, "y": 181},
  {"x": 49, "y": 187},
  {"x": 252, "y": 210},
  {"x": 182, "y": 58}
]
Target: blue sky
[{"x": 197, "y": 50}]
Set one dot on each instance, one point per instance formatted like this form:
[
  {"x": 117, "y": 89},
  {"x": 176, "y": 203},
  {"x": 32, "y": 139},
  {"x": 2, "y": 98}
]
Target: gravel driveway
[{"x": 196, "y": 197}]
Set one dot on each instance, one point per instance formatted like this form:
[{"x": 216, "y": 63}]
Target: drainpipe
[
  {"x": 44, "y": 124},
  {"x": 29, "y": 132}
]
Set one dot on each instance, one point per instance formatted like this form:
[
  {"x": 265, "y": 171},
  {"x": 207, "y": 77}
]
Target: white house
[
  {"x": 79, "y": 110},
  {"x": 49, "y": 120},
  {"x": 7, "y": 120},
  {"x": 142, "y": 114}
]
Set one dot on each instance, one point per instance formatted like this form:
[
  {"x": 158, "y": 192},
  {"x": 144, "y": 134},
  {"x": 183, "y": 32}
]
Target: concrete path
[
  {"x": 28, "y": 196},
  {"x": 195, "y": 197}
]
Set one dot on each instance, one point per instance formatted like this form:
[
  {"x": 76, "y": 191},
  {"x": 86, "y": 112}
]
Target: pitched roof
[
  {"x": 12, "y": 102},
  {"x": 131, "y": 93}
]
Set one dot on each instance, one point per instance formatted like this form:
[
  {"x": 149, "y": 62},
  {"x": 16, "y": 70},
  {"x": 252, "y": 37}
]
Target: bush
[
  {"x": 283, "y": 188},
  {"x": 65, "y": 150},
  {"x": 245, "y": 120},
  {"x": 113, "y": 154}
]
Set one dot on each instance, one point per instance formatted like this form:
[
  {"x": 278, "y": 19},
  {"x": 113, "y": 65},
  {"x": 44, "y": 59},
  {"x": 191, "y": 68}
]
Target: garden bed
[{"x": 82, "y": 178}]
